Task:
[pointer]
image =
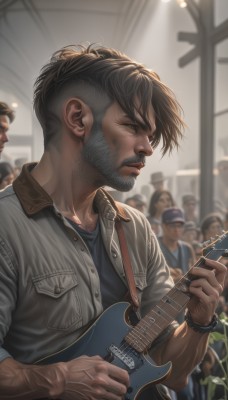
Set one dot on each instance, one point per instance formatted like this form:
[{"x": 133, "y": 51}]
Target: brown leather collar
[{"x": 34, "y": 198}]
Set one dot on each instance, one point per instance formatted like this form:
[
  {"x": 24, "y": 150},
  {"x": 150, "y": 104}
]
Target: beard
[{"x": 98, "y": 154}]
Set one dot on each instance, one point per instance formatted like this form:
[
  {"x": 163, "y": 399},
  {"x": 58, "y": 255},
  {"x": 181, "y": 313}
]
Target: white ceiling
[{"x": 31, "y": 30}]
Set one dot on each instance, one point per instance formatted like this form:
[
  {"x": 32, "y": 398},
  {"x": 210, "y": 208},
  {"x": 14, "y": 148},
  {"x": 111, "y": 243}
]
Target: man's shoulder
[
  {"x": 8, "y": 202},
  {"x": 6, "y": 193}
]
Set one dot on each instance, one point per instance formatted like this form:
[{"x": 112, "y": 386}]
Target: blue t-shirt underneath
[{"x": 112, "y": 287}]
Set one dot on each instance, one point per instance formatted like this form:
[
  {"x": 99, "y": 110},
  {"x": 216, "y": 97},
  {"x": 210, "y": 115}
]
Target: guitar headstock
[{"x": 216, "y": 247}]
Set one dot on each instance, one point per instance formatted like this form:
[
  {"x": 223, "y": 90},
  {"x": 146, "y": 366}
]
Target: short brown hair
[
  {"x": 6, "y": 110},
  {"x": 121, "y": 78}
]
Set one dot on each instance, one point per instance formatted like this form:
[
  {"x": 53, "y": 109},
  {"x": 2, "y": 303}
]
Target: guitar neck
[{"x": 170, "y": 306}]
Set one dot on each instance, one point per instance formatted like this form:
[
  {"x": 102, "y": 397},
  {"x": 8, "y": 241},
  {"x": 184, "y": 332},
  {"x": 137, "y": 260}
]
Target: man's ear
[{"x": 78, "y": 117}]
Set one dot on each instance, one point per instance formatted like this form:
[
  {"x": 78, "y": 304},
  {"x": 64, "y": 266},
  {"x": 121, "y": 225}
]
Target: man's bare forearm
[
  {"x": 186, "y": 349},
  {"x": 19, "y": 381}
]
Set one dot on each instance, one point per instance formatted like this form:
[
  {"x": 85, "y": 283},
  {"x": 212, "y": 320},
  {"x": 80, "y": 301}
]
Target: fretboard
[{"x": 166, "y": 311}]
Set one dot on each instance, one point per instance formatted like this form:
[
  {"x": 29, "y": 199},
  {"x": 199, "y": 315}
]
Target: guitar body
[{"x": 106, "y": 339}]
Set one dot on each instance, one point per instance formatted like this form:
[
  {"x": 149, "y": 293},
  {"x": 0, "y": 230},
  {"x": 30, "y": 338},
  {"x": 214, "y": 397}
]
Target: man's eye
[{"x": 134, "y": 127}]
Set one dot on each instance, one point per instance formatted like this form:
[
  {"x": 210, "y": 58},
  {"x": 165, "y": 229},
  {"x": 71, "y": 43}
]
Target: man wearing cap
[
  {"x": 157, "y": 180},
  {"x": 6, "y": 117},
  {"x": 179, "y": 255}
]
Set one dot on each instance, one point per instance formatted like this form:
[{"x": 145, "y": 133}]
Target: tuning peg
[{"x": 205, "y": 244}]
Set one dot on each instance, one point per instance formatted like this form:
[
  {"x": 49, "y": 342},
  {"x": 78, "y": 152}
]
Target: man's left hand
[{"x": 206, "y": 287}]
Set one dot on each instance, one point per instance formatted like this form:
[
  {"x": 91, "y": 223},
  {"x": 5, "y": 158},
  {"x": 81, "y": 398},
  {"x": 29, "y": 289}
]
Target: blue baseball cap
[{"x": 172, "y": 214}]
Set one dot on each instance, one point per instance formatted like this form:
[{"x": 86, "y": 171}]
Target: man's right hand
[{"x": 93, "y": 378}]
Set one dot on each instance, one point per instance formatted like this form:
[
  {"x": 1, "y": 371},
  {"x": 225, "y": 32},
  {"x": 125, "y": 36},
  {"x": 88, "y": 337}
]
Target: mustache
[{"x": 135, "y": 160}]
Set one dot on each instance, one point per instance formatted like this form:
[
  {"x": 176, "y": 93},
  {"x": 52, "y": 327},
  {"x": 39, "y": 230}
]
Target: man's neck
[{"x": 70, "y": 191}]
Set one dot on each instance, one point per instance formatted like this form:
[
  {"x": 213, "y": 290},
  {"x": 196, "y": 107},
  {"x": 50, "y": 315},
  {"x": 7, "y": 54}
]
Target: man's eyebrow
[{"x": 138, "y": 121}]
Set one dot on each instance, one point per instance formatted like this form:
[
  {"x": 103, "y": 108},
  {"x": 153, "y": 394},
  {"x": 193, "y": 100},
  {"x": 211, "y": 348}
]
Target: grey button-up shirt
[{"x": 49, "y": 287}]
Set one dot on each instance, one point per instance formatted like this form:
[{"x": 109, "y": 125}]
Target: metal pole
[{"x": 207, "y": 77}]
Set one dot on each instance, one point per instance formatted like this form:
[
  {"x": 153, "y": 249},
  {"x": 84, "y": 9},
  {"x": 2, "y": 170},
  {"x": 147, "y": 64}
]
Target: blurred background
[{"x": 185, "y": 42}]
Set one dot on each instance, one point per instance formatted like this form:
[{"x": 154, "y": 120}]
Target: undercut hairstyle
[
  {"x": 130, "y": 84},
  {"x": 6, "y": 110}
]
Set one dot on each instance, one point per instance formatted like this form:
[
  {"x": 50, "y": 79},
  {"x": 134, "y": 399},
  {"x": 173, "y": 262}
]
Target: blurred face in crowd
[
  {"x": 190, "y": 235},
  {"x": 4, "y": 127},
  {"x": 131, "y": 202},
  {"x": 163, "y": 202},
  {"x": 8, "y": 179},
  {"x": 190, "y": 206},
  {"x": 173, "y": 231},
  {"x": 158, "y": 185},
  {"x": 215, "y": 228}
]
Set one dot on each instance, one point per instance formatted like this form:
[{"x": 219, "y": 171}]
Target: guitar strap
[
  {"x": 158, "y": 392},
  {"x": 127, "y": 264}
]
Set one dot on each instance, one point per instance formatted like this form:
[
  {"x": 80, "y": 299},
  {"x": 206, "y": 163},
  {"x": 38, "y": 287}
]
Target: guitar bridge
[{"x": 123, "y": 356}]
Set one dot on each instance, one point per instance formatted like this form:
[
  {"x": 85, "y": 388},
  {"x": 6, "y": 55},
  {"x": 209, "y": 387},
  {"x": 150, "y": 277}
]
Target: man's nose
[
  {"x": 5, "y": 138},
  {"x": 144, "y": 146}
]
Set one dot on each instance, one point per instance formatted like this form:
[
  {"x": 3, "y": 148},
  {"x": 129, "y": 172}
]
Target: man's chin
[{"x": 124, "y": 185}]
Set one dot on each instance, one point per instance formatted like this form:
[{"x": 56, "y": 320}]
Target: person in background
[
  {"x": 191, "y": 235},
  {"x": 221, "y": 185},
  {"x": 211, "y": 226},
  {"x": 130, "y": 201},
  {"x": 61, "y": 265},
  {"x": 160, "y": 200},
  {"x": 179, "y": 255},
  {"x": 137, "y": 201},
  {"x": 157, "y": 180},
  {"x": 189, "y": 205},
  {"x": 190, "y": 232},
  {"x": 6, "y": 118},
  {"x": 6, "y": 174}
]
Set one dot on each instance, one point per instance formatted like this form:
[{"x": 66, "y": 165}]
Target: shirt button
[
  {"x": 82, "y": 249},
  {"x": 75, "y": 238},
  {"x": 97, "y": 294},
  {"x": 92, "y": 270},
  {"x": 114, "y": 254},
  {"x": 57, "y": 290}
]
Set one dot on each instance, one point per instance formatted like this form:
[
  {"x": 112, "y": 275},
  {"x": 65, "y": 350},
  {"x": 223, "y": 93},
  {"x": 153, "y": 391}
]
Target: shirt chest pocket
[{"x": 59, "y": 300}]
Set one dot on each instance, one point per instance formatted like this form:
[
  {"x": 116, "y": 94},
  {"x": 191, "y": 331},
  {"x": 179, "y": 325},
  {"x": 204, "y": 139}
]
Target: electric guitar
[{"x": 113, "y": 337}]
